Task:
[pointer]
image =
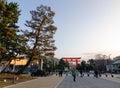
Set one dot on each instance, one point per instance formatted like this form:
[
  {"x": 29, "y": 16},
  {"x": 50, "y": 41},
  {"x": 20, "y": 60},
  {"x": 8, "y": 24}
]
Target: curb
[{"x": 18, "y": 83}]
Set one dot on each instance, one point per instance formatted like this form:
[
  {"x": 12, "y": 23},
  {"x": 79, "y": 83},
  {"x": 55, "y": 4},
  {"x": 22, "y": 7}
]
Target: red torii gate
[{"x": 72, "y": 59}]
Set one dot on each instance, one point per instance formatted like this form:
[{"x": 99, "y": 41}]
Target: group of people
[{"x": 74, "y": 73}]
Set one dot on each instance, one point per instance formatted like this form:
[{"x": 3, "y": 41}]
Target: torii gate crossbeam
[{"x": 72, "y": 59}]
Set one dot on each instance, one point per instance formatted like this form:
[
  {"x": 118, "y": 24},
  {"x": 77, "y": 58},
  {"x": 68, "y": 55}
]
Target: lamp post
[
  {"x": 14, "y": 70},
  {"x": 110, "y": 66}
]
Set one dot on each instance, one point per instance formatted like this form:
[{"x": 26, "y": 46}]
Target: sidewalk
[
  {"x": 40, "y": 82},
  {"x": 116, "y": 78}
]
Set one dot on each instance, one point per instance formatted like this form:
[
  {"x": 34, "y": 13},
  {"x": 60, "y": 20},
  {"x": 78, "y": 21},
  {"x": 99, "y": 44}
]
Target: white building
[{"x": 116, "y": 64}]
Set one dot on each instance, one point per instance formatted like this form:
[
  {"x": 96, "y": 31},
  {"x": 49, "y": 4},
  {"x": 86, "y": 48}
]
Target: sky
[{"x": 84, "y": 27}]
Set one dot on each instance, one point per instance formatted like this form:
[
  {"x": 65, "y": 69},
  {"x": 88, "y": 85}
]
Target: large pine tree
[
  {"x": 9, "y": 14},
  {"x": 40, "y": 37}
]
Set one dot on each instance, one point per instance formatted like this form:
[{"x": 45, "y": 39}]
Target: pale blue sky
[{"x": 84, "y": 26}]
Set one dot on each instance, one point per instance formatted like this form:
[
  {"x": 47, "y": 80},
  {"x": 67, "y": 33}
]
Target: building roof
[
  {"x": 19, "y": 61},
  {"x": 117, "y": 62}
]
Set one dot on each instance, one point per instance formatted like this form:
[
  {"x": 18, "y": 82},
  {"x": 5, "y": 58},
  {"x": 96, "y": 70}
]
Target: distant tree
[
  {"x": 48, "y": 65},
  {"x": 40, "y": 37},
  {"x": 62, "y": 64},
  {"x": 91, "y": 64},
  {"x": 101, "y": 56},
  {"x": 101, "y": 61},
  {"x": 82, "y": 66}
]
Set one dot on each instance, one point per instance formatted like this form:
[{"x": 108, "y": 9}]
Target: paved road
[{"x": 87, "y": 82}]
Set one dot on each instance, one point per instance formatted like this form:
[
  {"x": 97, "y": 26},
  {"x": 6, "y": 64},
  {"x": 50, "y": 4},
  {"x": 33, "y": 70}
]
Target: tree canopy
[{"x": 9, "y": 13}]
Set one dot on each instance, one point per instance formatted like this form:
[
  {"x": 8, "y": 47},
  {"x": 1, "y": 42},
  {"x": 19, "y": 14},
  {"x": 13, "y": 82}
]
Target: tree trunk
[
  {"x": 23, "y": 68},
  {"x": 6, "y": 66},
  {"x": 41, "y": 63}
]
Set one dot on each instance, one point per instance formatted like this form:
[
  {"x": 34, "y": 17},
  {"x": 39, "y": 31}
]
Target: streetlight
[{"x": 110, "y": 66}]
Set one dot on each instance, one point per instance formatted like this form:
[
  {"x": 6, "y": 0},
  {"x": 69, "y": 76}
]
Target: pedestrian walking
[
  {"x": 74, "y": 73},
  {"x": 81, "y": 73},
  {"x": 60, "y": 73},
  {"x": 96, "y": 73}
]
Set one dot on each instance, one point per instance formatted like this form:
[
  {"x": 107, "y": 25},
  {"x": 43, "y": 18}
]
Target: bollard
[
  {"x": 112, "y": 75},
  {"x": 106, "y": 75}
]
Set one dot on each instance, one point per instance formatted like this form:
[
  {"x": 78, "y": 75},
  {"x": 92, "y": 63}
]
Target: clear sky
[{"x": 84, "y": 26}]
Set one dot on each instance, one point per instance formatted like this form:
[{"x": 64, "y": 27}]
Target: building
[
  {"x": 19, "y": 61},
  {"x": 116, "y": 64}
]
